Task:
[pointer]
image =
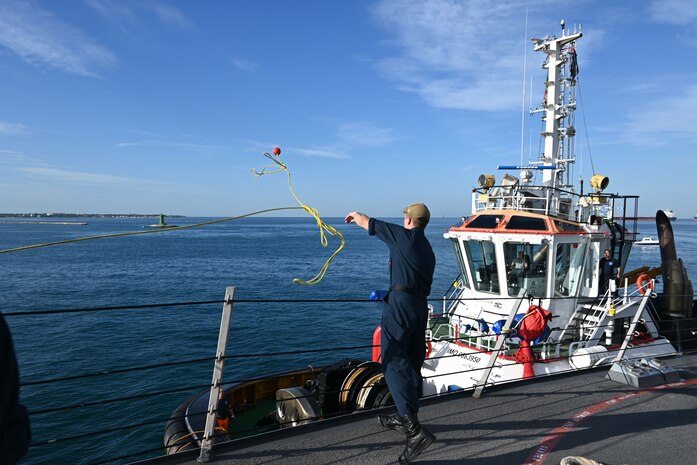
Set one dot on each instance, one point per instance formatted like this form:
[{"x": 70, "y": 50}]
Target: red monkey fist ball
[{"x": 276, "y": 150}]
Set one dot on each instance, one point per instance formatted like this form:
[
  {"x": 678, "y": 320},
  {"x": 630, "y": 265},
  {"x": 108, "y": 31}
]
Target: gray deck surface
[{"x": 530, "y": 423}]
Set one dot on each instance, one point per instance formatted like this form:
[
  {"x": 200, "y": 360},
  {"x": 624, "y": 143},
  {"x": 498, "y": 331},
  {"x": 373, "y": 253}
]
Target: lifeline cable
[
  {"x": 207, "y": 302},
  {"x": 278, "y": 167}
]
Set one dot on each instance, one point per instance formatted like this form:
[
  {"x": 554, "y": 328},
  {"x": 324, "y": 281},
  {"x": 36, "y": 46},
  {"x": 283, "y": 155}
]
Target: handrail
[
  {"x": 452, "y": 295},
  {"x": 499, "y": 343},
  {"x": 109, "y": 372},
  {"x": 501, "y": 197},
  {"x": 632, "y": 327},
  {"x": 216, "y": 383}
]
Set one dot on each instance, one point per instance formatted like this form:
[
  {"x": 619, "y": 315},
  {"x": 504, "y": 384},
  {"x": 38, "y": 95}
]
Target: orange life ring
[
  {"x": 429, "y": 349},
  {"x": 644, "y": 281}
]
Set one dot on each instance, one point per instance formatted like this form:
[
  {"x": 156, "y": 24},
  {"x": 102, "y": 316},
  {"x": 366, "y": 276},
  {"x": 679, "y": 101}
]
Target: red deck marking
[{"x": 539, "y": 455}]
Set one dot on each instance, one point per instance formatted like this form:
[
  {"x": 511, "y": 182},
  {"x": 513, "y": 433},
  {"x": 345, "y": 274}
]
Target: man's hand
[{"x": 359, "y": 218}]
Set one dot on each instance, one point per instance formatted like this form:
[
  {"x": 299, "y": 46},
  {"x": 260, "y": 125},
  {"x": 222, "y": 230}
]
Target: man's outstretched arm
[{"x": 359, "y": 218}]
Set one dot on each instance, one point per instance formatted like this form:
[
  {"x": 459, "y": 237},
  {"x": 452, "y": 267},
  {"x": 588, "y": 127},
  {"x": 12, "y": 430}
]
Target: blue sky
[{"x": 164, "y": 106}]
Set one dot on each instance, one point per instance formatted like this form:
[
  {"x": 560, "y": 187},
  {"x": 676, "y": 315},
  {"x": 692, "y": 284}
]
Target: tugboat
[{"x": 527, "y": 301}]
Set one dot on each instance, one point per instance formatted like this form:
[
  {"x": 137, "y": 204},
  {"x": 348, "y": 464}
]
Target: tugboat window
[
  {"x": 526, "y": 223},
  {"x": 568, "y": 268},
  {"x": 526, "y": 266},
  {"x": 481, "y": 256},
  {"x": 485, "y": 222},
  {"x": 564, "y": 226},
  {"x": 461, "y": 263}
]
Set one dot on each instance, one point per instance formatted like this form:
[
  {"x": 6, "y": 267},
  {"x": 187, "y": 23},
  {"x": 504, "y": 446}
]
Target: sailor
[
  {"x": 404, "y": 319},
  {"x": 520, "y": 264},
  {"x": 223, "y": 412},
  {"x": 15, "y": 434},
  {"x": 607, "y": 271}
]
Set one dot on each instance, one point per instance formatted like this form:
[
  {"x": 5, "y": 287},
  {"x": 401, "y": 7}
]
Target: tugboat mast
[{"x": 558, "y": 106}]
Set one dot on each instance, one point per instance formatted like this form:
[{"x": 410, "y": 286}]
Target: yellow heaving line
[
  {"x": 276, "y": 158},
  {"x": 277, "y": 167}
]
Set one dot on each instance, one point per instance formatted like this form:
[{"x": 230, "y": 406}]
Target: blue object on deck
[
  {"x": 454, "y": 388},
  {"x": 378, "y": 295},
  {"x": 543, "y": 337}
]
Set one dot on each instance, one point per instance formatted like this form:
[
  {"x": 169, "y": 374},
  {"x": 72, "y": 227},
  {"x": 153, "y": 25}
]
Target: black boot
[
  {"x": 392, "y": 422},
  {"x": 418, "y": 438}
]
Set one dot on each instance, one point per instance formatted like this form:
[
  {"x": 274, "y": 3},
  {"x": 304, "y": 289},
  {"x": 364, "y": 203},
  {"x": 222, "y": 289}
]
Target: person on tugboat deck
[
  {"x": 607, "y": 267},
  {"x": 404, "y": 319},
  {"x": 223, "y": 413}
]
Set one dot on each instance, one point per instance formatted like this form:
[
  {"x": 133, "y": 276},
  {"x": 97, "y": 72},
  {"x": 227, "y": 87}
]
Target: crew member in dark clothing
[
  {"x": 607, "y": 271},
  {"x": 223, "y": 413},
  {"x": 14, "y": 421},
  {"x": 404, "y": 319}
]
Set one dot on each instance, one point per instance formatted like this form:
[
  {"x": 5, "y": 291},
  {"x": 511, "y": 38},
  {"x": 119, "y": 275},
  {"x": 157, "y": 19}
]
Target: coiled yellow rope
[{"x": 277, "y": 167}]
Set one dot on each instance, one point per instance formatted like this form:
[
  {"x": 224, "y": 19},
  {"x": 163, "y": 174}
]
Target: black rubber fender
[{"x": 177, "y": 436}]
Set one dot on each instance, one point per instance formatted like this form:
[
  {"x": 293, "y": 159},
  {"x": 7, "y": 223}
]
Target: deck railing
[{"x": 86, "y": 417}]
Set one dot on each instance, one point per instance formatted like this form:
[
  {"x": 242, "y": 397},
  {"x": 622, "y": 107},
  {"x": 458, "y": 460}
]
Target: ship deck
[{"x": 543, "y": 421}]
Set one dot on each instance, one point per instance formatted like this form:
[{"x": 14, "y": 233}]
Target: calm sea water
[{"x": 259, "y": 256}]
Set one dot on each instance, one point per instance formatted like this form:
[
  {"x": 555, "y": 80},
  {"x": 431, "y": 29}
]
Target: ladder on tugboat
[
  {"x": 584, "y": 323},
  {"x": 452, "y": 295},
  {"x": 591, "y": 318}
]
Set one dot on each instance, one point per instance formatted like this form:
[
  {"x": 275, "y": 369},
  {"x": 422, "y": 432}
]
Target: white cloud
[
  {"x": 168, "y": 14},
  {"x": 657, "y": 124},
  {"x": 321, "y": 152},
  {"x": 126, "y": 14},
  {"x": 680, "y": 12},
  {"x": 77, "y": 177},
  {"x": 157, "y": 143},
  {"x": 350, "y": 136},
  {"x": 13, "y": 157},
  {"x": 447, "y": 53},
  {"x": 247, "y": 66},
  {"x": 364, "y": 134},
  {"x": 39, "y": 38},
  {"x": 11, "y": 129}
]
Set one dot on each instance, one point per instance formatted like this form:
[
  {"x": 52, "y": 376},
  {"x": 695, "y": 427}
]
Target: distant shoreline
[
  {"x": 84, "y": 215},
  {"x": 64, "y": 223}
]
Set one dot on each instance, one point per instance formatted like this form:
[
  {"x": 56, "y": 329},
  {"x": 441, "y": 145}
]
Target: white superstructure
[{"x": 537, "y": 239}]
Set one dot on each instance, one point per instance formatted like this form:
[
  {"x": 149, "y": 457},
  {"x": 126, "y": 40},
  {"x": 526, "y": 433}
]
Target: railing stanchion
[
  {"x": 632, "y": 326},
  {"x": 499, "y": 343},
  {"x": 207, "y": 442}
]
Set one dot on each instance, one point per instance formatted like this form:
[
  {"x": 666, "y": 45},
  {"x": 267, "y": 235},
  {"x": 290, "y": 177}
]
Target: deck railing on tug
[
  {"x": 592, "y": 329},
  {"x": 544, "y": 200},
  {"x": 83, "y": 441}
]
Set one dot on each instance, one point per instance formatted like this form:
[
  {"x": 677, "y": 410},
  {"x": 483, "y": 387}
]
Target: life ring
[
  {"x": 644, "y": 281},
  {"x": 429, "y": 349}
]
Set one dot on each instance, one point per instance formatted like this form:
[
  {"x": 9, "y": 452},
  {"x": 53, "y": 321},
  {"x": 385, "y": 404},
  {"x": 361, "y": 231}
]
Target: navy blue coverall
[
  {"x": 405, "y": 314},
  {"x": 607, "y": 272},
  {"x": 15, "y": 434}
]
